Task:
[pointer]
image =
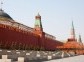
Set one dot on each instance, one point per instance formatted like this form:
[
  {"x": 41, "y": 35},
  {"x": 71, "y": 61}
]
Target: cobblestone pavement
[{"x": 69, "y": 59}]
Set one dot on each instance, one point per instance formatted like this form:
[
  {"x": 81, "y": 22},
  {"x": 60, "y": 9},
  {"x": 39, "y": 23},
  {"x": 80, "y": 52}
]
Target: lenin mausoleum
[{"x": 14, "y": 35}]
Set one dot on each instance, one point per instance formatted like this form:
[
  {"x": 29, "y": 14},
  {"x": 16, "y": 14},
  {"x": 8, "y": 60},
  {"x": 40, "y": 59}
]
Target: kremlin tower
[
  {"x": 72, "y": 36},
  {"x": 38, "y": 24},
  {"x": 38, "y": 29}
]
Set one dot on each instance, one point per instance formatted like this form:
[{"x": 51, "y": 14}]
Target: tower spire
[
  {"x": 72, "y": 34},
  {"x": 72, "y": 31},
  {"x": 80, "y": 40}
]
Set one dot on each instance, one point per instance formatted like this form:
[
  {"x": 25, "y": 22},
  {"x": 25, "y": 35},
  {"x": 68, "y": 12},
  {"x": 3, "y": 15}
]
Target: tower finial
[
  {"x": 72, "y": 24},
  {"x": 38, "y": 14},
  {"x": 1, "y": 4}
]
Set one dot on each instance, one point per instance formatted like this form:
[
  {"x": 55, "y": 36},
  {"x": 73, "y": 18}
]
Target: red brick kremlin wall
[{"x": 14, "y": 38}]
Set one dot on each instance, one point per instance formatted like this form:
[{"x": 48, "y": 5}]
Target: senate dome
[{"x": 4, "y": 15}]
